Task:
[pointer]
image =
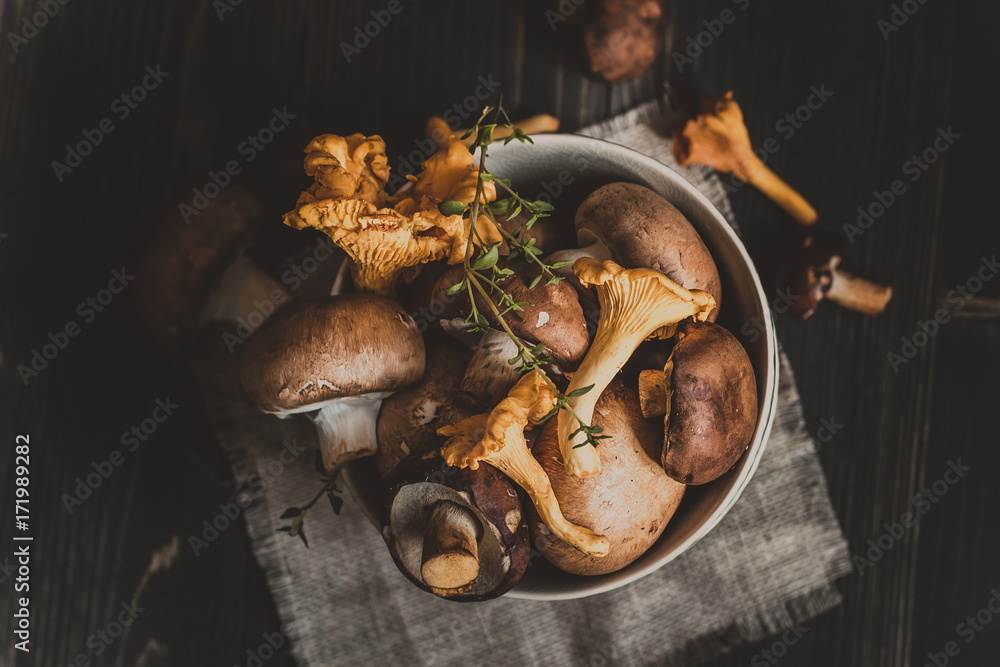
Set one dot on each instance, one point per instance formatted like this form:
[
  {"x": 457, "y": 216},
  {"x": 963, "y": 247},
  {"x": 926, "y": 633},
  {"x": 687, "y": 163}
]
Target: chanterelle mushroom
[
  {"x": 810, "y": 273},
  {"x": 386, "y": 239},
  {"x": 718, "y": 138},
  {"x": 335, "y": 358},
  {"x": 635, "y": 304},
  {"x": 498, "y": 439}
]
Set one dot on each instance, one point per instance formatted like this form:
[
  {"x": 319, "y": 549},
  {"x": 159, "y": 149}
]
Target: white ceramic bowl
[{"x": 566, "y": 168}]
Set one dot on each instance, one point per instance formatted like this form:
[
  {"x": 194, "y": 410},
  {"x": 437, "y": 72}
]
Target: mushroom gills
[{"x": 410, "y": 523}]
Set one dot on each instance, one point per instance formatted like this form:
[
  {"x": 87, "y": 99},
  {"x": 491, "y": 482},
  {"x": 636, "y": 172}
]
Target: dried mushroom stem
[
  {"x": 858, "y": 294},
  {"x": 441, "y": 133},
  {"x": 450, "y": 559}
]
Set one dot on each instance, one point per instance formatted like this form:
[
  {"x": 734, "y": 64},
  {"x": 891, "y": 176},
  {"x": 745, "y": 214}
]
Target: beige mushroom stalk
[
  {"x": 387, "y": 239},
  {"x": 718, "y": 138},
  {"x": 635, "y": 304},
  {"x": 498, "y": 439},
  {"x": 441, "y": 133}
]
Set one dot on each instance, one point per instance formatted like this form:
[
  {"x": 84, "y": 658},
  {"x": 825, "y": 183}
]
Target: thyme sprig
[{"x": 482, "y": 275}]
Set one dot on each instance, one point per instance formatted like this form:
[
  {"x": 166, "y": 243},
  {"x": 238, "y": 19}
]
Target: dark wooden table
[{"x": 897, "y": 428}]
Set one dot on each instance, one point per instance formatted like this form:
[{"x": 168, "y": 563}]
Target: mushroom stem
[
  {"x": 450, "y": 559},
  {"x": 858, "y": 294},
  {"x": 243, "y": 289},
  {"x": 597, "y": 250},
  {"x": 757, "y": 174},
  {"x": 489, "y": 376},
  {"x": 346, "y": 428},
  {"x": 654, "y": 396},
  {"x": 375, "y": 278}
]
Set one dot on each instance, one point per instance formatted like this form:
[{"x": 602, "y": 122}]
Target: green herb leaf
[
  {"x": 580, "y": 392},
  {"x": 488, "y": 259},
  {"x": 451, "y": 207},
  {"x": 457, "y": 288}
]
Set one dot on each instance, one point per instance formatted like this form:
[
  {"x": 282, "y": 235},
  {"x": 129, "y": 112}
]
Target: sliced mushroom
[
  {"x": 630, "y": 502},
  {"x": 635, "y": 304},
  {"x": 194, "y": 271},
  {"x": 642, "y": 230},
  {"x": 810, "y": 272},
  {"x": 460, "y": 534},
  {"x": 335, "y": 358},
  {"x": 707, "y": 394}
]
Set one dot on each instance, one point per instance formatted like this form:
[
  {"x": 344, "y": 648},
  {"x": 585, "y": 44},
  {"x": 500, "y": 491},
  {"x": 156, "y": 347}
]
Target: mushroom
[
  {"x": 630, "y": 502},
  {"x": 498, "y": 439},
  {"x": 707, "y": 396},
  {"x": 637, "y": 228},
  {"x": 335, "y": 358},
  {"x": 386, "y": 239},
  {"x": 409, "y": 419},
  {"x": 460, "y": 534},
  {"x": 194, "y": 271},
  {"x": 717, "y": 138},
  {"x": 635, "y": 304},
  {"x": 810, "y": 273},
  {"x": 441, "y": 133},
  {"x": 551, "y": 315},
  {"x": 618, "y": 40}
]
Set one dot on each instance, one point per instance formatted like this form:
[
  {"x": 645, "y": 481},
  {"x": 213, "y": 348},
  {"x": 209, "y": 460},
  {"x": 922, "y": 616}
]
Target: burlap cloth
[{"x": 768, "y": 565}]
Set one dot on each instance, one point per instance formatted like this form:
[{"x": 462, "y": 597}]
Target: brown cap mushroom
[
  {"x": 641, "y": 230},
  {"x": 498, "y": 439},
  {"x": 335, "y": 358},
  {"x": 635, "y": 304},
  {"x": 630, "y": 502},
  {"x": 193, "y": 271},
  {"x": 410, "y": 418},
  {"x": 620, "y": 39},
  {"x": 810, "y": 273},
  {"x": 460, "y": 534},
  {"x": 554, "y": 317},
  {"x": 707, "y": 394},
  {"x": 717, "y": 138}
]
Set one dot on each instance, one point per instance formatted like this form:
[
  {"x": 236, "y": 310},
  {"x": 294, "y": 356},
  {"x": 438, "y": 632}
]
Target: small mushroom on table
[
  {"x": 637, "y": 228},
  {"x": 194, "y": 271},
  {"x": 810, "y": 272},
  {"x": 630, "y": 502},
  {"x": 707, "y": 395},
  {"x": 336, "y": 359},
  {"x": 717, "y": 138},
  {"x": 635, "y": 304},
  {"x": 460, "y": 534}
]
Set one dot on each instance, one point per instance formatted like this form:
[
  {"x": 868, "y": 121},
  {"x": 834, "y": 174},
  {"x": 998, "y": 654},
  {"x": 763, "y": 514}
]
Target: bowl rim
[{"x": 588, "y": 586}]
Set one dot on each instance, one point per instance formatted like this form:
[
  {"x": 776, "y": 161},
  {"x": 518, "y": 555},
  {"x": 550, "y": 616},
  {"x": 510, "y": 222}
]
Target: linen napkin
[{"x": 770, "y": 564}]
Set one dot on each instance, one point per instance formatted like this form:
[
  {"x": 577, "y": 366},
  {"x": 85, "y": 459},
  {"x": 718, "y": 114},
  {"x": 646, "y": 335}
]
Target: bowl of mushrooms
[{"x": 576, "y": 390}]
